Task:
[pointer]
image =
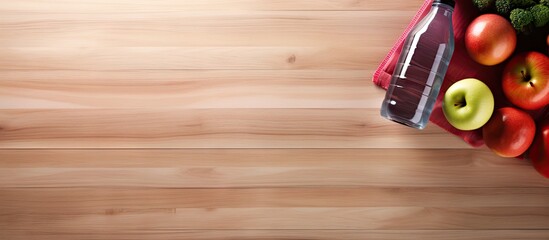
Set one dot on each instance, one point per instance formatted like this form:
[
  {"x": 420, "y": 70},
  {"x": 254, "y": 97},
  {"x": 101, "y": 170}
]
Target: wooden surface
[{"x": 245, "y": 119}]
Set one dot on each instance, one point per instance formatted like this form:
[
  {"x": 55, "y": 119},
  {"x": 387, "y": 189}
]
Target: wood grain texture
[
  {"x": 288, "y": 218},
  {"x": 190, "y": 58},
  {"x": 246, "y": 168},
  {"x": 204, "y": 29},
  {"x": 245, "y": 119},
  {"x": 104, "y": 6},
  {"x": 92, "y": 200},
  {"x": 212, "y": 128},
  {"x": 58, "y": 89},
  {"x": 283, "y": 234}
]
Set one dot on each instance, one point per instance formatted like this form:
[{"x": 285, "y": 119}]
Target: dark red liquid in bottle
[{"x": 420, "y": 69}]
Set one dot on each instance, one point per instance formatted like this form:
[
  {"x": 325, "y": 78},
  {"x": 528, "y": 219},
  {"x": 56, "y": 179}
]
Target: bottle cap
[{"x": 451, "y": 3}]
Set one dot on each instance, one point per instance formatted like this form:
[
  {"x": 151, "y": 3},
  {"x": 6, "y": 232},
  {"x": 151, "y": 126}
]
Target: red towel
[{"x": 461, "y": 66}]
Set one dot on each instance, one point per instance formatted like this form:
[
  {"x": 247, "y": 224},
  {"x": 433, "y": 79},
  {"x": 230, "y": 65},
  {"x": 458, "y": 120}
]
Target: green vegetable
[
  {"x": 503, "y": 7},
  {"x": 541, "y": 15},
  {"x": 522, "y": 20},
  {"x": 483, "y": 5},
  {"x": 524, "y": 15}
]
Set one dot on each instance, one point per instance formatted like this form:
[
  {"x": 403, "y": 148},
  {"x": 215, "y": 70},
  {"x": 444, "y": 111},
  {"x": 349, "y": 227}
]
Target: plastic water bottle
[{"x": 421, "y": 68}]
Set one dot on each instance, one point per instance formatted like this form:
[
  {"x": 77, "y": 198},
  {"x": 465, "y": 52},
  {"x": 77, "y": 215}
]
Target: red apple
[
  {"x": 490, "y": 39},
  {"x": 525, "y": 80},
  {"x": 539, "y": 152},
  {"x": 509, "y": 132}
]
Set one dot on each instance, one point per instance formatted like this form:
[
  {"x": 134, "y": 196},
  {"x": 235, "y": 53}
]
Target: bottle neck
[{"x": 443, "y": 6}]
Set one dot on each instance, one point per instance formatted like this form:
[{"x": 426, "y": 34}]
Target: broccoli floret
[
  {"x": 541, "y": 15},
  {"x": 544, "y": 2},
  {"x": 522, "y": 20},
  {"x": 483, "y": 5},
  {"x": 522, "y": 3},
  {"x": 503, "y": 7}
]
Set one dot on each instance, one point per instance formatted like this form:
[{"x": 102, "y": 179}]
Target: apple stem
[
  {"x": 525, "y": 77},
  {"x": 531, "y": 84},
  {"x": 459, "y": 104}
]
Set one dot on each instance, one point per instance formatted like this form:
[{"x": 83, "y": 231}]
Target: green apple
[{"x": 468, "y": 104}]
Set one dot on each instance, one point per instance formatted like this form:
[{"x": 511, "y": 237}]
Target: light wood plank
[
  {"x": 170, "y": 58},
  {"x": 140, "y": 6},
  {"x": 281, "y": 234},
  {"x": 223, "y": 168},
  {"x": 293, "y": 158},
  {"x": 93, "y": 200},
  {"x": 202, "y": 29},
  {"x": 213, "y": 128},
  {"x": 188, "y": 89},
  {"x": 382, "y": 218}
]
